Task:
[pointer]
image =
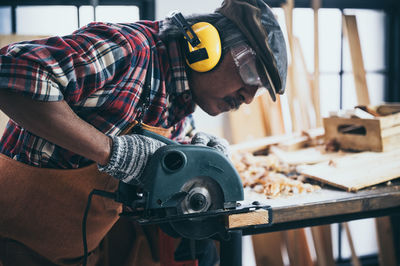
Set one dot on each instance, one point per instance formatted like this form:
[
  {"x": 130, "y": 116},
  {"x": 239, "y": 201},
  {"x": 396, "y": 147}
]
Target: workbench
[{"x": 326, "y": 206}]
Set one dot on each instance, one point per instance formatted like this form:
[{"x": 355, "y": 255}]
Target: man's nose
[{"x": 248, "y": 94}]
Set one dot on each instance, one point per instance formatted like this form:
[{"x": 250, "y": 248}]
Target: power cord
[{"x": 106, "y": 194}]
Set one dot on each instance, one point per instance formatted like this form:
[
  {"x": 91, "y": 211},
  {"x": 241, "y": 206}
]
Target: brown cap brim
[
  {"x": 247, "y": 15},
  {"x": 266, "y": 80}
]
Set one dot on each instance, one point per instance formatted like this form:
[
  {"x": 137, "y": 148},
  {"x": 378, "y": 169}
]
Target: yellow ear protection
[{"x": 203, "y": 49}]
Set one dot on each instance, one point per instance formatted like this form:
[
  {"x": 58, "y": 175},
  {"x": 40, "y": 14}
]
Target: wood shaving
[
  {"x": 332, "y": 163},
  {"x": 267, "y": 175}
]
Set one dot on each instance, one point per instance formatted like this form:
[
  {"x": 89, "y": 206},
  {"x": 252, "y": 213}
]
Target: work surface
[{"x": 327, "y": 205}]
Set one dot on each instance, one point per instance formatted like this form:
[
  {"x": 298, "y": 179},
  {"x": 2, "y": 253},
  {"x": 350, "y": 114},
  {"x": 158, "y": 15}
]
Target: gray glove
[
  {"x": 205, "y": 139},
  {"x": 129, "y": 156}
]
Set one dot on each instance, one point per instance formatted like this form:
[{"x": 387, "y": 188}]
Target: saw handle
[{"x": 156, "y": 136}]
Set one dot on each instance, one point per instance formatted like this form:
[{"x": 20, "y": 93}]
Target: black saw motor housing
[{"x": 173, "y": 166}]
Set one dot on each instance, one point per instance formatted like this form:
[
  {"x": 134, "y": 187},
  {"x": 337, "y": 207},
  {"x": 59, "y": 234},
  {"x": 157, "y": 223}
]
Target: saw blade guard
[{"x": 173, "y": 169}]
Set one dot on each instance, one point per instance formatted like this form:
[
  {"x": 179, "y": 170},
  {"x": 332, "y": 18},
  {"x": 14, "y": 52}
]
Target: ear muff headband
[{"x": 203, "y": 49}]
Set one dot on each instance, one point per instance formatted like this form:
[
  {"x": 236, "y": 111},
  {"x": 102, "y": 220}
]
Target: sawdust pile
[{"x": 267, "y": 175}]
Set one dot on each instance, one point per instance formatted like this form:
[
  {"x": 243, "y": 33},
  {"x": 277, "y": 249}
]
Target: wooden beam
[
  {"x": 3, "y": 122},
  {"x": 353, "y": 172},
  {"x": 288, "y": 9},
  {"x": 272, "y": 113},
  {"x": 247, "y": 123},
  {"x": 351, "y": 33},
  {"x": 354, "y": 259},
  {"x": 316, "y": 4},
  {"x": 323, "y": 245},
  {"x": 268, "y": 254},
  {"x": 12, "y": 38},
  {"x": 256, "y": 217},
  {"x": 290, "y": 83},
  {"x": 297, "y": 247},
  {"x": 384, "y": 232},
  {"x": 306, "y": 116},
  {"x": 301, "y": 105}
]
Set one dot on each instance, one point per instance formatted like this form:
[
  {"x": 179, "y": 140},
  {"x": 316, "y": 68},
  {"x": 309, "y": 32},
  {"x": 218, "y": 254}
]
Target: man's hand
[
  {"x": 205, "y": 139},
  {"x": 129, "y": 156}
]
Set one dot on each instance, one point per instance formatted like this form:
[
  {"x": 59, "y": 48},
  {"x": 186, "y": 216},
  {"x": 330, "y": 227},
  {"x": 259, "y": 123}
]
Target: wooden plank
[
  {"x": 306, "y": 139},
  {"x": 11, "y": 38},
  {"x": 388, "y": 108},
  {"x": 354, "y": 259},
  {"x": 290, "y": 83},
  {"x": 393, "y": 131},
  {"x": 268, "y": 254},
  {"x": 301, "y": 105},
  {"x": 316, "y": 4},
  {"x": 295, "y": 144},
  {"x": 263, "y": 143},
  {"x": 356, "y": 171},
  {"x": 391, "y": 142},
  {"x": 294, "y": 107},
  {"x": 323, "y": 245},
  {"x": 272, "y": 113},
  {"x": 258, "y": 144},
  {"x": 288, "y": 10},
  {"x": 297, "y": 247},
  {"x": 3, "y": 122},
  {"x": 310, "y": 155},
  {"x": 256, "y": 217},
  {"x": 247, "y": 123},
  {"x": 389, "y": 120},
  {"x": 304, "y": 87},
  {"x": 385, "y": 241},
  {"x": 351, "y": 33},
  {"x": 321, "y": 234}
]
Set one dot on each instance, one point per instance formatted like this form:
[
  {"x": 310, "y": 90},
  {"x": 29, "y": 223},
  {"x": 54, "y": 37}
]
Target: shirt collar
[
  {"x": 177, "y": 66},
  {"x": 180, "y": 102}
]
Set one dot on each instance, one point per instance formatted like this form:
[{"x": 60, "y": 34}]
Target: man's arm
[{"x": 57, "y": 123}]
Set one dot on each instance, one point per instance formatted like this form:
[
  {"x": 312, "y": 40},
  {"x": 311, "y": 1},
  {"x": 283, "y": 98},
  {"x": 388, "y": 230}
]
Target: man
[{"x": 74, "y": 100}]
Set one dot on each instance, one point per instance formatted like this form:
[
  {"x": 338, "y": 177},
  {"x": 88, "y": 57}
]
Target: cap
[{"x": 256, "y": 21}]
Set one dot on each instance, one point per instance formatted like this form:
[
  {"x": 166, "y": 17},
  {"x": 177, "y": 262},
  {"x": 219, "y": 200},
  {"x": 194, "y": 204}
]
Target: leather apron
[{"x": 42, "y": 210}]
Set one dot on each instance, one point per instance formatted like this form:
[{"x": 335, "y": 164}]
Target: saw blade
[
  {"x": 203, "y": 194},
  {"x": 197, "y": 229}
]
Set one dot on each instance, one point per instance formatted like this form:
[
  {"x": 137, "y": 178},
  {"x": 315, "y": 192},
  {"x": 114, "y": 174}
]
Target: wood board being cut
[{"x": 356, "y": 171}]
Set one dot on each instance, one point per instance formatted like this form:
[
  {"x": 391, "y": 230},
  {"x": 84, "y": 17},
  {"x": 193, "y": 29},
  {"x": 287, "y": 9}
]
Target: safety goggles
[{"x": 246, "y": 61}]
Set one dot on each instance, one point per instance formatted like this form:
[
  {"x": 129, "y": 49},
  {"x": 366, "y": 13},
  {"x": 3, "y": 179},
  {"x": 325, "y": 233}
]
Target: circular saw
[{"x": 188, "y": 189}]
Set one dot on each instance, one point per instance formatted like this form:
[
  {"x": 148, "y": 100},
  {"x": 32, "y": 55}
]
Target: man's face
[{"x": 221, "y": 89}]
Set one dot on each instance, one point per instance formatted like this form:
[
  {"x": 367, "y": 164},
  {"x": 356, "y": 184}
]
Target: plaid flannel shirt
[{"x": 99, "y": 70}]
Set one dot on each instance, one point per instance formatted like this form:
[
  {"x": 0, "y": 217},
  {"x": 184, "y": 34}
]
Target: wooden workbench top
[{"x": 329, "y": 201}]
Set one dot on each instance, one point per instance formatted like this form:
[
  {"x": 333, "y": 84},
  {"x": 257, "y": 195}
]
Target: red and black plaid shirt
[{"x": 99, "y": 70}]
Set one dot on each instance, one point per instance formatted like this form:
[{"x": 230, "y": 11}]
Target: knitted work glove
[
  {"x": 129, "y": 156},
  {"x": 205, "y": 139}
]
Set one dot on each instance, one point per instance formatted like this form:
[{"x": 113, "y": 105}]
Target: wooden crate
[{"x": 377, "y": 134}]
